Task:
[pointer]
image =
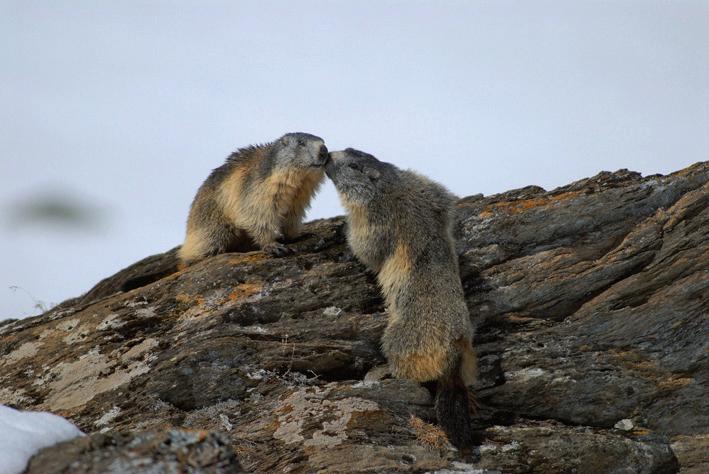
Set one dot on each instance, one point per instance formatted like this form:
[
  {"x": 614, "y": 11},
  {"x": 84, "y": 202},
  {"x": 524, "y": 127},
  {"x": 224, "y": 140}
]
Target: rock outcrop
[{"x": 591, "y": 303}]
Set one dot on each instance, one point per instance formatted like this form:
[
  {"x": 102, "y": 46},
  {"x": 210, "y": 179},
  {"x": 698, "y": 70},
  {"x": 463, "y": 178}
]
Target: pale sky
[{"x": 125, "y": 107}]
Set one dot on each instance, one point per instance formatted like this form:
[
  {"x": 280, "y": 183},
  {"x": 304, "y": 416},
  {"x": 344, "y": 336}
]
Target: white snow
[{"x": 24, "y": 433}]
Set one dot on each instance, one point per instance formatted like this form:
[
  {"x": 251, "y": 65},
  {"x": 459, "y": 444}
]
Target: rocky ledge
[{"x": 591, "y": 303}]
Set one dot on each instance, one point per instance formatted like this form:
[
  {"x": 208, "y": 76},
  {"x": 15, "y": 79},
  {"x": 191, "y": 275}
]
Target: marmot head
[
  {"x": 360, "y": 178},
  {"x": 299, "y": 150}
]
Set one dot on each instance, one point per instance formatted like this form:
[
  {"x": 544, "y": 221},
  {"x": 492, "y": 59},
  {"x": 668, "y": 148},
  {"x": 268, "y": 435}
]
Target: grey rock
[
  {"x": 173, "y": 451},
  {"x": 590, "y": 302}
]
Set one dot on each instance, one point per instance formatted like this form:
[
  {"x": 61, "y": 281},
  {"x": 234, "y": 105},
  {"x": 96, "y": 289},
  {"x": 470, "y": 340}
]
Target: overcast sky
[{"x": 112, "y": 113}]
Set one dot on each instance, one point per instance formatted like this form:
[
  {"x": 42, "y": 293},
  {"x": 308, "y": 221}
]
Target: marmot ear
[{"x": 284, "y": 141}]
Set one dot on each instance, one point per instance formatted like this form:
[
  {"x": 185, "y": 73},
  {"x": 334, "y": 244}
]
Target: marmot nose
[{"x": 323, "y": 154}]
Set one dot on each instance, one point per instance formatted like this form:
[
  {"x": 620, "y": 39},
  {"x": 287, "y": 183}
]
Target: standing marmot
[
  {"x": 258, "y": 196},
  {"x": 401, "y": 227}
]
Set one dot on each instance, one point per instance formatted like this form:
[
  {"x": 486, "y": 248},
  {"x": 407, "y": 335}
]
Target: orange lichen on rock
[
  {"x": 183, "y": 298},
  {"x": 247, "y": 258},
  {"x": 522, "y": 205},
  {"x": 245, "y": 290},
  {"x": 190, "y": 299}
]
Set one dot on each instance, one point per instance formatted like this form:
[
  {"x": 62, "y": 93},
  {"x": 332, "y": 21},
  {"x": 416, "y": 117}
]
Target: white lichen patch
[
  {"x": 191, "y": 316},
  {"x": 624, "y": 425},
  {"x": 279, "y": 285},
  {"x": 112, "y": 321},
  {"x": 75, "y": 383},
  {"x": 332, "y": 311},
  {"x": 213, "y": 417},
  {"x": 68, "y": 325},
  {"x": 505, "y": 448},
  {"x": 136, "y": 303},
  {"x": 563, "y": 380},
  {"x": 488, "y": 447},
  {"x": 28, "y": 349},
  {"x": 137, "y": 351},
  {"x": 226, "y": 424},
  {"x": 148, "y": 312},
  {"x": 254, "y": 330},
  {"x": 77, "y": 334},
  {"x": 310, "y": 404},
  {"x": 259, "y": 374},
  {"x": 13, "y": 397},
  {"x": 513, "y": 446},
  {"x": 524, "y": 375},
  {"x": 215, "y": 298},
  {"x": 462, "y": 468},
  {"x": 108, "y": 417}
]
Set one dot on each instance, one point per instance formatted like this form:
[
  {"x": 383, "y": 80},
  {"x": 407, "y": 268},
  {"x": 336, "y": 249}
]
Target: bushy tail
[{"x": 453, "y": 410}]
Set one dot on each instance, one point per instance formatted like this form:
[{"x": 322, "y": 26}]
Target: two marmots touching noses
[{"x": 400, "y": 226}]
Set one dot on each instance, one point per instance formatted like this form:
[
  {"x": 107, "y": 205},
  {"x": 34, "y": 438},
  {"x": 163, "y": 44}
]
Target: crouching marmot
[
  {"x": 400, "y": 225},
  {"x": 258, "y": 196}
]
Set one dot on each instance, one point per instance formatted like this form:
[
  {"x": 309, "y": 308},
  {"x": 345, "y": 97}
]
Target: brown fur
[
  {"x": 401, "y": 227},
  {"x": 258, "y": 197}
]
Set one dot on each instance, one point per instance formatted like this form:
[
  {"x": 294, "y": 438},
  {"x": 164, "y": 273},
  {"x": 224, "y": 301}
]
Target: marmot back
[
  {"x": 401, "y": 227},
  {"x": 257, "y": 197}
]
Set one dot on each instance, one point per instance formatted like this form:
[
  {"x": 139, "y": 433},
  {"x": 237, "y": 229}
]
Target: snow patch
[{"x": 23, "y": 434}]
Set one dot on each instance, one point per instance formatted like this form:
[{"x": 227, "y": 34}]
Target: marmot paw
[{"x": 277, "y": 249}]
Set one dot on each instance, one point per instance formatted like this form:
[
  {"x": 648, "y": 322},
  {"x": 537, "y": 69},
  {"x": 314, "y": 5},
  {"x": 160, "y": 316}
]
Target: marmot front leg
[
  {"x": 266, "y": 238},
  {"x": 292, "y": 226}
]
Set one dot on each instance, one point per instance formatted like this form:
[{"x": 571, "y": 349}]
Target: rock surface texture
[{"x": 592, "y": 310}]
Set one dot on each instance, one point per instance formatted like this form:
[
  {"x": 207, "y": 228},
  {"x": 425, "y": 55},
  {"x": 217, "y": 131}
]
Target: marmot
[
  {"x": 258, "y": 196},
  {"x": 400, "y": 225}
]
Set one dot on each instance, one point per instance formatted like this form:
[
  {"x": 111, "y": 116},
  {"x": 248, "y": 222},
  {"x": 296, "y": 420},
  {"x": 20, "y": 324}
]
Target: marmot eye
[
  {"x": 301, "y": 142},
  {"x": 354, "y": 166}
]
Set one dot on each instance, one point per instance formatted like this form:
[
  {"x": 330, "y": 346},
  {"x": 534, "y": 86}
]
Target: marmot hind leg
[{"x": 209, "y": 240}]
